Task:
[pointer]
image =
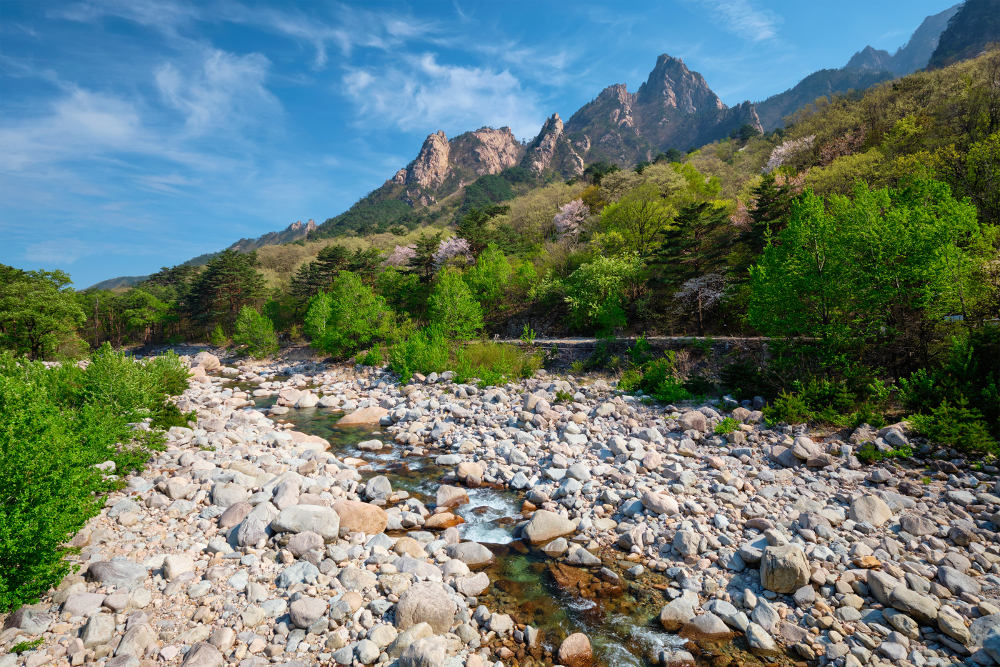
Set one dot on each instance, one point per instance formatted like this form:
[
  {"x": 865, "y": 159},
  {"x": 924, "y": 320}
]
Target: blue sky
[{"x": 136, "y": 134}]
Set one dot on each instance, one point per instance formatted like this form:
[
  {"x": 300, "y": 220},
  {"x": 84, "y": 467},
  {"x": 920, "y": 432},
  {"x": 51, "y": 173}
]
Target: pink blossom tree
[
  {"x": 454, "y": 250},
  {"x": 570, "y": 217}
]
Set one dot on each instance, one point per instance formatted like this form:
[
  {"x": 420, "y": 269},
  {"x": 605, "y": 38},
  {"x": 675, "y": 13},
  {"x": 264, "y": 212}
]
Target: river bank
[{"x": 456, "y": 525}]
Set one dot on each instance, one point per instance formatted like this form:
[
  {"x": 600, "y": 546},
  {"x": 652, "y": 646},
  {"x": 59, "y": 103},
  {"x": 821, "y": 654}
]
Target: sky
[{"x": 136, "y": 134}]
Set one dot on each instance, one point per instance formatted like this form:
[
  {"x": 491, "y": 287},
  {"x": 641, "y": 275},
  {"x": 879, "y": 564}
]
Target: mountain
[
  {"x": 865, "y": 68},
  {"x": 974, "y": 26},
  {"x": 295, "y": 231},
  {"x": 118, "y": 283},
  {"x": 917, "y": 52}
]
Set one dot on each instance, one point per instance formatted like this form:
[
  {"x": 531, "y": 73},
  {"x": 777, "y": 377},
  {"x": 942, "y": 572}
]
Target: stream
[{"x": 623, "y": 629}]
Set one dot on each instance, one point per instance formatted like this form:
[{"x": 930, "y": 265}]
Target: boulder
[
  {"x": 472, "y": 554},
  {"x": 305, "y": 611},
  {"x": 323, "y": 521},
  {"x": 676, "y": 614},
  {"x": 923, "y": 608},
  {"x": 426, "y": 602},
  {"x": 784, "y": 569},
  {"x": 870, "y": 509},
  {"x": 451, "y": 496},
  {"x": 203, "y": 654},
  {"x": 470, "y": 473},
  {"x": 659, "y": 503},
  {"x": 425, "y": 652},
  {"x": 546, "y": 526},
  {"x": 575, "y": 651},
  {"x": 120, "y": 573},
  {"x": 359, "y": 517},
  {"x": 693, "y": 421},
  {"x": 369, "y": 416},
  {"x": 206, "y": 360}
]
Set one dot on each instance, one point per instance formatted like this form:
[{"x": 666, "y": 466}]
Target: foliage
[
  {"x": 452, "y": 306},
  {"x": 868, "y": 453},
  {"x": 27, "y": 645},
  {"x": 355, "y": 317},
  {"x": 425, "y": 350},
  {"x": 597, "y": 292},
  {"x": 726, "y": 426},
  {"x": 657, "y": 378},
  {"x": 870, "y": 270},
  {"x": 489, "y": 278},
  {"x": 39, "y": 315},
  {"x": 254, "y": 333},
  {"x": 228, "y": 283},
  {"x": 55, "y": 426},
  {"x": 638, "y": 217},
  {"x": 956, "y": 425},
  {"x": 528, "y": 335},
  {"x": 494, "y": 363}
]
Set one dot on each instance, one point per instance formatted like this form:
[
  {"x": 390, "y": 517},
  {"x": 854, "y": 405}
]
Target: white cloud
[
  {"x": 428, "y": 95},
  {"x": 227, "y": 90},
  {"x": 81, "y": 122},
  {"x": 65, "y": 251},
  {"x": 742, "y": 18}
]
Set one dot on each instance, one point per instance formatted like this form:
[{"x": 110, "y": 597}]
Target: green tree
[
  {"x": 228, "y": 283},
  {"x": 878, "y": 270},
  {"x": 453, "y": 308},
  {"x": 357, "y": 317},
  {"x": 39, "y": 313},
  {"x": 255, "y": 333},
  {"x": 426, "y": 245},
  {"x": 489, "y": 278},
  {"x": 597, "y": 292},
  {"x": 638, "y": 217},
  {"x": 772, "y": 204}
]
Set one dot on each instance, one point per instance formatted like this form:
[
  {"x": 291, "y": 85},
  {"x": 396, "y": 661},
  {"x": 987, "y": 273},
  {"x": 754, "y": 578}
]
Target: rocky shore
[{"x": 247, "y": 542}]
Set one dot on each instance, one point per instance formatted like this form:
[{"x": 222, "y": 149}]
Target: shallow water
[{"x": 623, "y": 628}]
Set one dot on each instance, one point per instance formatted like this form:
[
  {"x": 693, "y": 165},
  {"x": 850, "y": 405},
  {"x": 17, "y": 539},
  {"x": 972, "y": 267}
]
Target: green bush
[
  {"x": 349, "y": 318},
  {"x": 657, "y": 378},
  {"x": 374, "y": 356},
  {"x": 255, "y": 333},
  {"x": 426, "y": 350},
  {"x": 597, "y": 292},
  {"x": 57, "y": 424},
  {"x": 218, "y": 337},
  {"x": 957, "y": 426},
  {"x": 726, "y": 426},
  {"x": 868, "y": 453},
  {"x": 452, "y": 307},
  {"x": 789, "y": 408}
]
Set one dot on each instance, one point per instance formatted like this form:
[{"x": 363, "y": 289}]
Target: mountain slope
[
  {"x": 974, "y": 26},
  {"x": 866, "y": 68}
]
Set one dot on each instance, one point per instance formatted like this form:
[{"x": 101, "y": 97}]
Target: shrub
[
  {"x": 788, "y": 408},
  {"x": 452, "y": 307},
  {"x": 957, "y": 426},
  {"x": 726, "y": 426},
  {"x": 374, "y": 356},
  {"x": 57, "y": 425},
  {"x": 218, "y": 337},
  {"x": 657, "y": 378},
  {"x": 424, "y": 351},
  {"x": 255, "y": 333},
  {"x": 563, "y": 397},
  {"x": 489, "y": 277},
  {"x": 868, "y": 453}
]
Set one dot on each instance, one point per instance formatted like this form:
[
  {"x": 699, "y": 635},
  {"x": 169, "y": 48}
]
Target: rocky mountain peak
[
  {"x": 870, "y": 58},
  {"x": 494, "y": 151},
  {"x": 671, "y": 85},
  {"x": 551, "y": 150},
  {"x": 431, "y": 166}
]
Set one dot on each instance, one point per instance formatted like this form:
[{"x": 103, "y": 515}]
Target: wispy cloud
[
  {"x": 429, "y": 95},
  {"x": 741, "y": 18},
  {"x": 225, "y": 91}
]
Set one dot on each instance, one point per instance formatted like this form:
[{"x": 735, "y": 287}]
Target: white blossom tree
[{"x": 701, "y": 294}]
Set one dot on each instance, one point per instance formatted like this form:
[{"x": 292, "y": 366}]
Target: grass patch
[
  {"x": 25, "y": 646},
  {"x": 869, "y": 454},
  {"x": 428, "y": 350}
]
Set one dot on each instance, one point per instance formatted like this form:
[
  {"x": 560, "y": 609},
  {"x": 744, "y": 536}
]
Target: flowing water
[{"x": 623, "y": 627}]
